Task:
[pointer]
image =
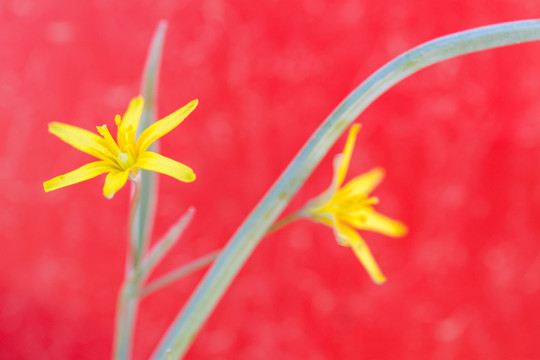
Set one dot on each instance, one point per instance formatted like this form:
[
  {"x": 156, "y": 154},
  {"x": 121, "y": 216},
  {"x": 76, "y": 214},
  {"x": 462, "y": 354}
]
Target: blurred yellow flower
[
  {"x": 350, "y": 207},
  {"x": 122, "y": 158}
]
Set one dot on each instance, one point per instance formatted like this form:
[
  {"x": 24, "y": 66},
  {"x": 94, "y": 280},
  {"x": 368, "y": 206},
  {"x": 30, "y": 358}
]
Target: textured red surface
[{"x": 460, "y": 142}]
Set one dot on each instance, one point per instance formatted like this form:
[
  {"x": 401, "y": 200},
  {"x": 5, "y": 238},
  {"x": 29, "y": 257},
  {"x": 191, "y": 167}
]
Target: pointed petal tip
[
  {"x": 54, "y": 126},
  {"x": 137, "y": 99},
  {"x": 114, "y": 181},
  {"x": 379, "y": 279},
  {"x": 108, "y": 193},
  {"x": 402, "y": 230},
  {"x": 379, "y": 170},
  {"x": 356, "y": 127},
  {"x": 190, "y": 178},
  {"x": 162, "y": 23},
  {"x": 46, "y": 186},
  {"x": 187, "y": 178},
  {"x": 397, "y": 230}
]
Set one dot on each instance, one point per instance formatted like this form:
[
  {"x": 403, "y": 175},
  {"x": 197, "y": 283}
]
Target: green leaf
[
  {"x": 179, "y": 273},
  {"x": 160, "y": 249},
  {"x": 141, "y": 227}
]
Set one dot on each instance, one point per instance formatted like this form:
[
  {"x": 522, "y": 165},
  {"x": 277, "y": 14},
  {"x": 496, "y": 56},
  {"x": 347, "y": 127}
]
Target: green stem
[
  {"x": 142, "y": 211},
  {"x": 144, "y": 216},
  {"x": 184, "y": 328},
  {"x": 285, "y": 221},
  {"x": 126, "y": 311}
]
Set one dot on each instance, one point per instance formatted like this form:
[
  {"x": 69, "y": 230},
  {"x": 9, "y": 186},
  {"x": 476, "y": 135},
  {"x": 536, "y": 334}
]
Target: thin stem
[
  {"x": 285, "y": 221},
  {"x": 143, "y": 204},
  {"x": 179, "y": 273},
  {"x": 144, "y": 216},
  {"x": 134, "y": 255},
  {"x": 127, "y": 305},
  {"x": 210, "y": 290}
]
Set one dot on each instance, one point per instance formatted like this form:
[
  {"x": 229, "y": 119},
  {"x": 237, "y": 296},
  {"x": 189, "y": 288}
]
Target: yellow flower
[
  {"x": 123, "y": 158},
  {"x": 350, "y": 207}
]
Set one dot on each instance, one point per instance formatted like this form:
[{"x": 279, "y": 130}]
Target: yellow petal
[
  {"x": 114, "y": 182},
  {"x": 81, "y": 139},
  {"x": 347, "y": 152},
  {"x": 369, "y": 219},
  {"x": 83, "y": 173},
  {"x": 128, "y": 126},
  {"x": 155, "y": 162},
  {"x": 133, "y": 112},
  {"x": 361, "y": 250},
  {"x": 360, "y": 185},
  {"x": 163, "y": 126}
]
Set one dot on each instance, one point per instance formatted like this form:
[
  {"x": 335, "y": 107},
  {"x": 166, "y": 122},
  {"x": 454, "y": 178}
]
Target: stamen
[
  {"x": 122, "y": 139},
  {"x": 372, "y": 200},
  {"x": 109, "y": 141}
]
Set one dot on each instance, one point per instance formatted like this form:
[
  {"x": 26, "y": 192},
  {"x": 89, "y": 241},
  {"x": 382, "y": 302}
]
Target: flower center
[{"x": 123, "y": 157}]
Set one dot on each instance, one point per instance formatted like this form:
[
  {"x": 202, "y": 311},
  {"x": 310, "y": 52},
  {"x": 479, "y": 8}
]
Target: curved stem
[
  {"x": 181, "y": 333},
  {"x": 285, "y": 221}
]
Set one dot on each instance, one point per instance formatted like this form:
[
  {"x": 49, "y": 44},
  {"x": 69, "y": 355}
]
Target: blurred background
[{"x": 460, "y": 142}]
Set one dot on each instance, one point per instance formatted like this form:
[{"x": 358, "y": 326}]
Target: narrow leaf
[
  {"x": 162, "y": 247},
  {"x": 179, "y": 273},
  {"x": 144, "y": 216}
]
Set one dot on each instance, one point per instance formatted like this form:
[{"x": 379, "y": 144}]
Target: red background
[{"x": 460, "y": 142}]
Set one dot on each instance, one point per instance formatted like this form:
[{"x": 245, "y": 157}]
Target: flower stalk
[
  {"x": 285, "y": 221},
  {"x": 128, "y": 299}
]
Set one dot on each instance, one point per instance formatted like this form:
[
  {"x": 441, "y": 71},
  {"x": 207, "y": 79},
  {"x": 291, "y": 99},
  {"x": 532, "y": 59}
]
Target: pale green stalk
[
  {"x": 126, "y": 309},
  {"x": 182, "y": 331},
  {"x": 141, "y": 215},
  {"x": 141, "y": 227},
  {"x": 285, "y": 221}
]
